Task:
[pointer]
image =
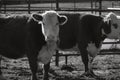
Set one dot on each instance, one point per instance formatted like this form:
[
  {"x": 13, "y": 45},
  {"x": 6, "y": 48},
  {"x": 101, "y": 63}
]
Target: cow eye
[
  {"x": 57, "y": 23},
  {"x": 115, "y": 26},
  {"x": 43, "y": 23}
]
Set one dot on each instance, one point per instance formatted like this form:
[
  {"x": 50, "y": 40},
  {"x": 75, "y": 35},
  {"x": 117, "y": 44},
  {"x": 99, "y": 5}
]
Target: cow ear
[
  {"x": 37, "y": 17},
  {"x": 112, "y": 16},
  {"x": 62, "y": 19}
]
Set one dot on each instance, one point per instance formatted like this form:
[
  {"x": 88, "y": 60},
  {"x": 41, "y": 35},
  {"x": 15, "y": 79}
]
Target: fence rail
[
  {"x": 33, "y": 9},
  {"x": 65, "y": 9},
  {"x": 58, "y": 55},
  {"x": 92, "y": 6},
  {"x": 102, "y": 52}
]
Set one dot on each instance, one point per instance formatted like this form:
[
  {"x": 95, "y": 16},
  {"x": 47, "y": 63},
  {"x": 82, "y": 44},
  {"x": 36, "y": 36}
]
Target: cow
[
  {"x": 29, "y": 34},
  {"x": 87, "y": 32}
]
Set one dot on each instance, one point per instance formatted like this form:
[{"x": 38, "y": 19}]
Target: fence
[
  {"x": 27, "y": 5},
  {"x": 102, "y": 52}
]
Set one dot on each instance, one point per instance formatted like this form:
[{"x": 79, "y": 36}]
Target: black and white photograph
[{"x": 59, "y": 39}]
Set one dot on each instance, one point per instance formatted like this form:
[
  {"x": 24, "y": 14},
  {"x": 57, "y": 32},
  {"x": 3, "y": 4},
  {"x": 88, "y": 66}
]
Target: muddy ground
[{"x": 107, "y": 67}]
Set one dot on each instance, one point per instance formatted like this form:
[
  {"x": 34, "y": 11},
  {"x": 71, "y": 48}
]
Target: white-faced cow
[
  {"x": 29, "y": 35},
  {"x": 88, "y": 31}
]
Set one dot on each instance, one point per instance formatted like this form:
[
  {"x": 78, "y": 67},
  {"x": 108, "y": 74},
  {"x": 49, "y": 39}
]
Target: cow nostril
[
  {"x": 58, "y": 41},
  {"x": 51, "y": 38}
]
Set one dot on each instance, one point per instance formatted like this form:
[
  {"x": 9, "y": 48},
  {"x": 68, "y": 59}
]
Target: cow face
[
  {"x": 50, "y": 21},
  {"x": 115, "y": 26}
]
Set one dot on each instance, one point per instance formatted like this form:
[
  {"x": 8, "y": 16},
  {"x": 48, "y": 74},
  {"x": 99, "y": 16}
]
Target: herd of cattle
[{"x": 39, "y": 35}]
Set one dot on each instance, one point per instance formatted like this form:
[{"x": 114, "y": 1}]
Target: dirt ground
[{"x": 107, "y": 67}]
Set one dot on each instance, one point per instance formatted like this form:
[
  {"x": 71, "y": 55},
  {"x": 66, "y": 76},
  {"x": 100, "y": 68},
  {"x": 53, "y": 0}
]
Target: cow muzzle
[
  {"x": 52, "y": 38},
  {"x": 47, "y": 51}
]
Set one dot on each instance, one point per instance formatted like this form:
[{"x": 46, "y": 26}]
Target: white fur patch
[
  {"x": 115, "y": 32},
  {"x": 92, "y": 49},
  {"x": 51, "y": 25},
  {"x": 46, "y": 53}
]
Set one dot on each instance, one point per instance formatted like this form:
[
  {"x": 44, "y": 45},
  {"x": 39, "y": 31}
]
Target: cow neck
[{"x": 105, "y": 28}]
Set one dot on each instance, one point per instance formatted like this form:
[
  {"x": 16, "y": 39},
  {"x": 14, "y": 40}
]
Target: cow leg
[
  {"x": 90, "y": 67},
  {"x": 90, "y": 64},
  {"x": 1, "y": 76},
  {"x": 33, "y": 65},
  {"x": 45, "y": 71},
  {"x": 84, "y": 56},
  {"x": 86, "y": 61},
  {"x": 0, "y": 65}
]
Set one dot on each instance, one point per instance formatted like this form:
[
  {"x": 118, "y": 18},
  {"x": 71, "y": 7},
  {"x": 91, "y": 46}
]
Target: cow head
[
  {"x": 114, "y": 23},
  {"x": 50, "y": 21}
]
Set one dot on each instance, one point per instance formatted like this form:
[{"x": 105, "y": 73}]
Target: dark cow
[
  {"x": 87, "y": 31},
  {"x": 27, "y": 35}
]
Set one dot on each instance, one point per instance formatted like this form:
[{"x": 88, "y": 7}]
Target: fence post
[
  {"x": 74, "y": 4},
  {"x": 66, "y": 58},
  {"x": 29, "y": 3},
  {"x": 57, "y": 4},
  {"x": 57, "y": 58},
  {"x": 100, "y": 6},
  {"x": 0, "y": 5},
  {"x": 92, "y": 5},
  {"x": 4, "y": 3}
]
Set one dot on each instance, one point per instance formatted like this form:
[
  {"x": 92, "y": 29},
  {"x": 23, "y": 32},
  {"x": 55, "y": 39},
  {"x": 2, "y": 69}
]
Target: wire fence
[{"x": 58, "y": 5}]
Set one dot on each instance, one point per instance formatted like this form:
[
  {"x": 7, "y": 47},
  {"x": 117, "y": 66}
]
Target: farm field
[{"x": 107, "y": 67}]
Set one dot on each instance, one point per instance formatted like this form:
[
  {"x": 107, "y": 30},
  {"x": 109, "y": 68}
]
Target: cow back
[
  {"x": 68, "y": 32},
  {"x": 19, "y": 34},
  {"x": 13, "y": 35}
]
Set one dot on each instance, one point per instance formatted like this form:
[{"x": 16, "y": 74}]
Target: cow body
[
  {"x": 87, "y": 31},
  {"x": 23, "y": 35},
  {"x": 79, "y": 28},
  {"x": 16, "y": 33}
]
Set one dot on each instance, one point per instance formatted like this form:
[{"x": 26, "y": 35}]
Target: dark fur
[
  {"x": 82, "y": 29},
  {"x": 19, "y": 36}
]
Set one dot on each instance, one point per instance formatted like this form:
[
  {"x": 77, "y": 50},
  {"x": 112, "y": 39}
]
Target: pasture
[{"x": 105, "y": 66}]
